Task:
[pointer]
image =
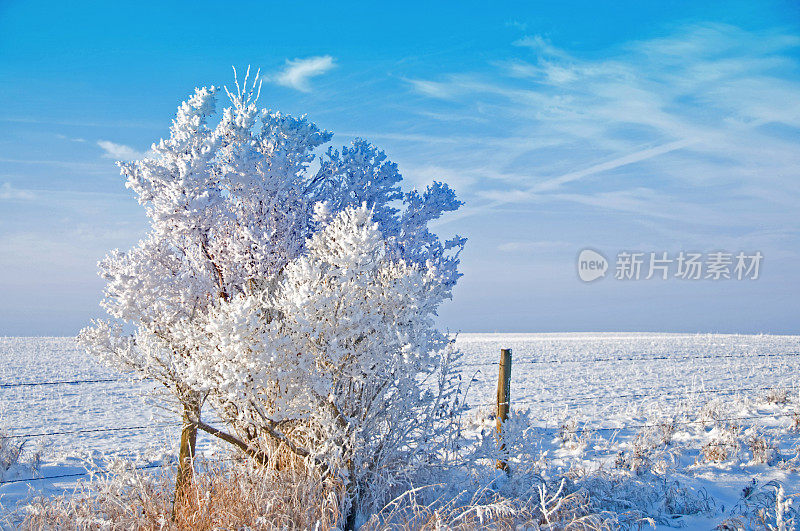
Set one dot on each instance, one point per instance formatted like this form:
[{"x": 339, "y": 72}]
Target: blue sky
[{"x": 650, "y": 126}]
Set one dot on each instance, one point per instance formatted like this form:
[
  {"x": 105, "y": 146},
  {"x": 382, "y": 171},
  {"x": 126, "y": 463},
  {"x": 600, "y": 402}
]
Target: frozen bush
[
  {"x": 295, "y": 296},
  {"x": 337, "y": 360},
  {"x": 10, "y": 452}
]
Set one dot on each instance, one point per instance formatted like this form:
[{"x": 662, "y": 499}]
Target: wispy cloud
[
  {"x": 540, "y": 45},
  {"x": 8, "y": 192},
  {"x": 115, "y": 151},
  {"x": 298, "y": 72},
  {"x": 434, "y": 89},
  {"x": 693, "y": 126},
  {"x": 71, "y": 139}
]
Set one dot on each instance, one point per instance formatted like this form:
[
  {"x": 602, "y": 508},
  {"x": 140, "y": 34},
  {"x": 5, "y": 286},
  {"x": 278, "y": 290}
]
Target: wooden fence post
[{"x": 503, "y": 400}]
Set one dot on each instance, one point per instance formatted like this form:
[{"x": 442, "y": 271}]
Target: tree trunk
[{"x": 191, "y": 415}]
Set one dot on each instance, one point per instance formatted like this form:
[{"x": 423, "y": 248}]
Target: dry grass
[
  {"x": 240, "y": 496},
  {"x": 635, "y": 493},
  {"x": 223, "y": 495},
  {"x": 762, "y": 450},
  {"x": 795, "y": 426},
  {"x": 714, "y": 452},
  {"x": 647, "y": 449},
  {"x": 573, "y": 437},
  {"x": 541, "y": 509},
  {"x": 777, "y": 396},
  {"x": 724, "y": 445}
]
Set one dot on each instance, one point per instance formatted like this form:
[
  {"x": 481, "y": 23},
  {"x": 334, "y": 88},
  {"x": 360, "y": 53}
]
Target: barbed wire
[
  {"x": 76, "y": 474},
  {"x": 652, "y": 394},
  {"x": 483, "y": 364},
  {"x": 667, "y": 422},
  {"x": 599, "y": 383},
  {"x": 558, "y": 403},
  {"x": 635, "y": 358},
  {"x": 100, "y": 472},
  {"x": 690, "y": 422},
  {"x": 70, "y": 382},
  {"x": 89, "y": 430}
]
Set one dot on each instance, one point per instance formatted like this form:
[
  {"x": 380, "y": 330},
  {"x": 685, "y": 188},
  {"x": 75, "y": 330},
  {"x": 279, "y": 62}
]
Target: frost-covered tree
[
  {"x": 336, "y": 358},
  {"x": 231, "y": 200}
]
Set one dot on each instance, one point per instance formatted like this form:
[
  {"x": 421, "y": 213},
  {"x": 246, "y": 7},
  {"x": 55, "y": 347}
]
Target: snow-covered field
[
  {"x": 597, "y": 391},
  {"x": 603, "y": 378}
]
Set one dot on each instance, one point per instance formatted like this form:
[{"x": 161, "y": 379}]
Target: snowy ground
[
  {"x": 144, "y": 429},
  {"x": 603, "y": 378},
  {"x": 590, "y": 396},
  {"x": 605, "y": 401}
]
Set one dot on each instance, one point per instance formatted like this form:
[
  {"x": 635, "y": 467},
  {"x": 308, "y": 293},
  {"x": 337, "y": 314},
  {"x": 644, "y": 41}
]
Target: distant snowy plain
[{"x": 608, "y": 384}]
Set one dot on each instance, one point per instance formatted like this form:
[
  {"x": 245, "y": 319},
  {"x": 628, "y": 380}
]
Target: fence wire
[
  {"x": 636, "y": 358},
  {"x": 557, "y": 402}
]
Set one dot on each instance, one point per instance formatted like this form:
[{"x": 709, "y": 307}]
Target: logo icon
[{"x": 591, "y": 265}]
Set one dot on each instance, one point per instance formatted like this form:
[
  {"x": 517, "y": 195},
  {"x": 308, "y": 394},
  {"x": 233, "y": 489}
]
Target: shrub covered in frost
[{"x": 297, "y": 297}]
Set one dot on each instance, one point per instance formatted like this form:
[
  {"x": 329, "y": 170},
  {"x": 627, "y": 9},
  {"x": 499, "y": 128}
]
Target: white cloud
[
  {"x": 8, "y": 192},
  {"x": 119, "y": 151},
  {"x": 433, "y": 89},
  {"x": 539, "y": 44},
  {"x": 298, "y": 72},
  {"x": 686, "y": 127},
  {"x": 71, "y": 139}
]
